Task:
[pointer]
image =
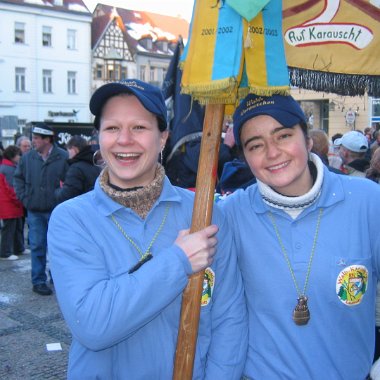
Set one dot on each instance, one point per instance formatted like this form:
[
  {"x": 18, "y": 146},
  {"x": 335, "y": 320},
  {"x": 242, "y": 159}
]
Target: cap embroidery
[
  {"x": 133, "y": 84},
  {"x": 258, "y": 103}
]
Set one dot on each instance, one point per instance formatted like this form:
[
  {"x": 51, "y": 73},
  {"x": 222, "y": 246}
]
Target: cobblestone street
[{"x": 28, "y": 322}]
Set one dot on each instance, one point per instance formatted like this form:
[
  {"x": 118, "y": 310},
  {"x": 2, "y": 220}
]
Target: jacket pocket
[{"x": 350, "y": 279}]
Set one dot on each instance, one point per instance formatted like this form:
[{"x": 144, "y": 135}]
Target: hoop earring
[{"x": 97, "y": 159}]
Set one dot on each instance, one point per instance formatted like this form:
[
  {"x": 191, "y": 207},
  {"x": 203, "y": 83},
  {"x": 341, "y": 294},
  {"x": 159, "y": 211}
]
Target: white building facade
[{"x": 44, "y": 62}]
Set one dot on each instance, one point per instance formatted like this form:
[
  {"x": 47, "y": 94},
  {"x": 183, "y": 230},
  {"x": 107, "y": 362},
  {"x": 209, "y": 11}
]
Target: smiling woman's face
[
  {"x": 130, "y": 141},
  {"x": 277, "y": 156}
]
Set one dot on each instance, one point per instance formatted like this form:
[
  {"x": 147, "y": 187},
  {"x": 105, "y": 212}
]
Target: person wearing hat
[
  {"x": 308, "y": 248},
  {"x": 353, "y": 147},
  {"x": 121, "y": 256},
  {"x": 37, "y": 176}
]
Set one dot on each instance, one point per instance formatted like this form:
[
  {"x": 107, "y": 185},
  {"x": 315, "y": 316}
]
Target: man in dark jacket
[
  {"x": 82, "y": 173},
  {"x": 37, "y": 176}
]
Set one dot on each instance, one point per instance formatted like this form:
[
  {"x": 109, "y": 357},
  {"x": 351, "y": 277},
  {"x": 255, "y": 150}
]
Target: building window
[
  {"x": 117, "y": 72},
  {"x": 162, "y": 45},
  {"x": 71, "y": 82},
  {"x": 19, "y": 33},
  {"x": 47, "y": 81},
  {"x": 376, "y": 107},
  {"x": 20, "y": 79},
  {"x": 160, "y": 74},
  {"x": 111, "y": 72},
  {"x": 124, "y": 73},
  {"x": 142, "y": 73},
  {"x": 324, "y": 116},
  {"x": 151, "y": 74},
  {"x": 21, "y": 122},
  {"x": 99, "y": 72},
  {"x": 46, "y": 36},
  {"x": 71, "y": 39},
  {"x": 375, "y": 117},
  {"x": 149, "y": 44}
]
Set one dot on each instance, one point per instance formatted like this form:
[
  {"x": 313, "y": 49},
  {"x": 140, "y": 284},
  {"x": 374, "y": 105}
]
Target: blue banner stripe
[
  {"x": 277, "y": 70},
  {"x": 228, "y": 49}
]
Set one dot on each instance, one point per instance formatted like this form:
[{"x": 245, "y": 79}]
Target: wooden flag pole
[{"x": 202, "y": 213}]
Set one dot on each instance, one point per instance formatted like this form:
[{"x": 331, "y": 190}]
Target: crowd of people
[
  {"x": 32, "y": 183},
  {"x": 291, "y": 259}
]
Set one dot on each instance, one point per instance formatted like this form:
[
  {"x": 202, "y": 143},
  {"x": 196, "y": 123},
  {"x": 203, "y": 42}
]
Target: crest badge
[
  {"x": 208, "y": 286},
  {"x": 351, "y": 284}
]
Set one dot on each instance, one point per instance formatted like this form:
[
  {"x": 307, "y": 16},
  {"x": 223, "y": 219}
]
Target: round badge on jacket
[{"x": 351, "y": 284}]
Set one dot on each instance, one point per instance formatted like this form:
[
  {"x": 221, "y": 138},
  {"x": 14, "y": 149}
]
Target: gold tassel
[{"x": 247, "y": 41}]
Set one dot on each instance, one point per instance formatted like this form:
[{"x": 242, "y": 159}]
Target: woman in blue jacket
[
  {"x": 308, "y": 246},
  {"x": 121, "y": 256}
]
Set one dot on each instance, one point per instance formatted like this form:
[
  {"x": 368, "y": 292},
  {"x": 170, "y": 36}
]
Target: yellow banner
[{"x": 335, "y": 40}]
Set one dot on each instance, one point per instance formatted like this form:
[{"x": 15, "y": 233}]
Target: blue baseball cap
[
  {"x": 285, "y": 109},
  {"x": 150, "y": 97}
]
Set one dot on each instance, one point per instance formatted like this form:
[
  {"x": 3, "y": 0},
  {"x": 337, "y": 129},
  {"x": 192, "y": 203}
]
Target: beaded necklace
[
  {"x": 144, "y": 256},
  {"x": 301, "y": 313}
]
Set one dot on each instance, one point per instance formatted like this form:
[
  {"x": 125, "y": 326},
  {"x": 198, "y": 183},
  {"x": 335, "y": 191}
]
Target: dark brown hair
[{"x": 11, "y": 151}]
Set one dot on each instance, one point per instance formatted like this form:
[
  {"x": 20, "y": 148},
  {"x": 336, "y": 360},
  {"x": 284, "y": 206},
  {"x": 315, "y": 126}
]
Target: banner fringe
[
  {"x": 204, "y": 100},
  {"x": 337, "y": 83},
  {"x": 263, "y": 91},
  {"x": 232, "y": 96},
  {"x": 213, "y": 88}
]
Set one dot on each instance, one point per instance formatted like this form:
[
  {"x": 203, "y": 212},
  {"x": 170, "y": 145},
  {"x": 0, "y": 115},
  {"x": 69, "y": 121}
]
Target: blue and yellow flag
[
  {"x": 266, "y": 71},
  {"x": 228, "y": 56},
  {"x": 212, "y": 63}
]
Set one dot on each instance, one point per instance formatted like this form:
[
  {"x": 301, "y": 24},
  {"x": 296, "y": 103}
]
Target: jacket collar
[
  {"x": 7, "y": 162},
  {"x": 331, "y": 193},
  {"x": 107, "y": 206}
]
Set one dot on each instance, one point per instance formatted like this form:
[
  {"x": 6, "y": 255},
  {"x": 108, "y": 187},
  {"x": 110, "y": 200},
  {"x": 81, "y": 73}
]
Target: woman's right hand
[{"x": 199, "y": 247}]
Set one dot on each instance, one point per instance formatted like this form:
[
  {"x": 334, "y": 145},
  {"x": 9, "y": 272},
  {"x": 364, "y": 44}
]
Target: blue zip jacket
[
  {"x": 338, "y": 341},
  {"x": 125, "y": 326}
]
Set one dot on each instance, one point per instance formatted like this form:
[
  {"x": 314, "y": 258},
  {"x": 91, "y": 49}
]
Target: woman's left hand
[{"x": 199, "y": 247}]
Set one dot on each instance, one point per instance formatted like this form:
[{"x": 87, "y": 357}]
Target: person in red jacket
[{"x": 11, "y": 210}]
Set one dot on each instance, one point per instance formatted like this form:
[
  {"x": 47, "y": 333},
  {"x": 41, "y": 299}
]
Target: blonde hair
[{"x": 320, "y": 141}]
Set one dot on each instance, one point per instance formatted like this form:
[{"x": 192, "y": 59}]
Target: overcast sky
[{"x": 168, "y": 7}]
